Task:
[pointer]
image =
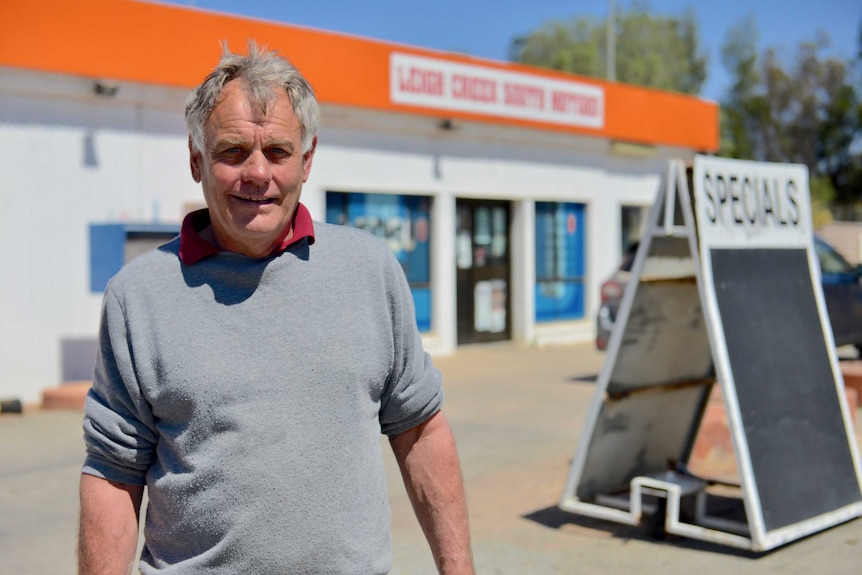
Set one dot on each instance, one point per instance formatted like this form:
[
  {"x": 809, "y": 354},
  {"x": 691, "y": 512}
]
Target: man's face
[{"x": 251, "y": 171}]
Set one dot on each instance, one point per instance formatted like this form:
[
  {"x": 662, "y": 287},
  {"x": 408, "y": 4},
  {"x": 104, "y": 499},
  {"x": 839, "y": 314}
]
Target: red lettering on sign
[
  {"x": 420, "y": 81},
  {"x": 571, "y": 103},
  {"x": 474, "y": 88},
  {"x": 524, "y": 96}
]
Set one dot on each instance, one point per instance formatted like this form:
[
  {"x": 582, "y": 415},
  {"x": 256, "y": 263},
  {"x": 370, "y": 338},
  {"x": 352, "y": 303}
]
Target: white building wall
[{"x": 71, "y": 159}]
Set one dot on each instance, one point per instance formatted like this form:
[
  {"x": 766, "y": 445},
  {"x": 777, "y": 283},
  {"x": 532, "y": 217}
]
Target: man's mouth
[{"x": 254, "y": 200}]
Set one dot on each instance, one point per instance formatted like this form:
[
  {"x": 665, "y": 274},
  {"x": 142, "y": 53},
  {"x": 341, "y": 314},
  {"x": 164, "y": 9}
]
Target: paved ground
[{"x": 517, "y": 414}]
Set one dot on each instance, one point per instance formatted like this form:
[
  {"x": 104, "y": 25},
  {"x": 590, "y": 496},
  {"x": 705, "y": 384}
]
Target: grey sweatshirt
[{"x": 249, "y": 395}]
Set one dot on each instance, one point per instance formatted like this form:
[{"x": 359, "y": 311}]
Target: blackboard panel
[{"x": 780, "y": 364}]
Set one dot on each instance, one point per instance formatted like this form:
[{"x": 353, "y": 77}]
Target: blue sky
[{"x": 485, "y": 28}]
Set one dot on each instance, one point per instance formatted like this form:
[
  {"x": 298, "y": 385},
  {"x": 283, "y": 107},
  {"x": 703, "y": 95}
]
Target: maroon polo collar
[{"x": 194, "y": 248}]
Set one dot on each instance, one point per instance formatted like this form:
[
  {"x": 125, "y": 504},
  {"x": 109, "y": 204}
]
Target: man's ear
[
  {"x": 195, "y": 161},
  {"x": 307, "y": 158}
]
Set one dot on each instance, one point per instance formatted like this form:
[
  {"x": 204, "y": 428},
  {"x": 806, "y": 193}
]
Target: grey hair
[{"x": 262, "y": 72}]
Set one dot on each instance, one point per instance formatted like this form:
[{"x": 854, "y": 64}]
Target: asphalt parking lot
[{"x": 517, "y": 413}]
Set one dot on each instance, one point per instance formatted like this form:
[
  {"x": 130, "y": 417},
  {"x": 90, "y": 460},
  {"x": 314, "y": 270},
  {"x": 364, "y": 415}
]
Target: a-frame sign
[{"x": 725, "y": 289}]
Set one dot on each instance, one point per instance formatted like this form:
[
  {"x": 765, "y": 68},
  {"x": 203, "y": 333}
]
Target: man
[{"x": 247, "y": 368}]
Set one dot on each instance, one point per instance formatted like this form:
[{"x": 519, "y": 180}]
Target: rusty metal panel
[
  {"x": 638, "y": 434},
  {"x": 665, "y": 338}
]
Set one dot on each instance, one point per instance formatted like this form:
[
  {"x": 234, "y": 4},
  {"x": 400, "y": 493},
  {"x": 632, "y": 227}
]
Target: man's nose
[{"x": 257, "y": 169}]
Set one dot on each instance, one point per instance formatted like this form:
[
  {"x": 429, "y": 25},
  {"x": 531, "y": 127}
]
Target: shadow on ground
[{"x": 555, "y": 518}]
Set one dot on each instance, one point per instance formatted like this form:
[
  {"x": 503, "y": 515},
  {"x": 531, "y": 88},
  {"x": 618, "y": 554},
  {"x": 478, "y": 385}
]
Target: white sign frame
[
  {"x": 788, "y": 225},
  {"x": 727, "y": 212}
]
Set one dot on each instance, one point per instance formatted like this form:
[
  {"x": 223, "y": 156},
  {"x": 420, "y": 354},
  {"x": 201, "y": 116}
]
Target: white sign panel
[
  {"x": 445, "y": 85},
  {"x": 751, "y": 204}
]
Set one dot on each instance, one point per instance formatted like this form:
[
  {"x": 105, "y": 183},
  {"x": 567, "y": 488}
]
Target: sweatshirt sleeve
[
  {"x": 119, "y": 430},
  {"x": 414, "y": 390}
]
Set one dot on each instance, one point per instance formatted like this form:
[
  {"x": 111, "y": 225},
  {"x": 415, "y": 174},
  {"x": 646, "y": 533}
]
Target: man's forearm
[
  {"x": 432, "y": 475},
  {"x": 108, "y": 531}
]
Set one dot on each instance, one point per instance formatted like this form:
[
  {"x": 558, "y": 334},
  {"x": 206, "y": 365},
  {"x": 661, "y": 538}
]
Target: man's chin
[{"x": 258, "y": 228}]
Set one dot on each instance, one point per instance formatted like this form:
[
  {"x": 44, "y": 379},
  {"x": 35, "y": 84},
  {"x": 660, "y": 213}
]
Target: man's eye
[
  {"x": 232, "y": 155},
  {"x": 277, "y": 154}
]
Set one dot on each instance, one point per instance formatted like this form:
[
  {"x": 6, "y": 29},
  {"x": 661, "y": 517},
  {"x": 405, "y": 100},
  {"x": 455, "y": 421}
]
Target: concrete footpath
[{"x": 517, "y": 414}]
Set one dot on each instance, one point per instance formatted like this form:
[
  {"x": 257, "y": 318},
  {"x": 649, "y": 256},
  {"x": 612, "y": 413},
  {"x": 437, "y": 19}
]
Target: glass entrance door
[{"x": 482, "y": 262}]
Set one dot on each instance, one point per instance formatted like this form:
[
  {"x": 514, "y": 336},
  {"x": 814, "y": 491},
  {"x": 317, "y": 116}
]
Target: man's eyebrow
[
  {"x": 229, "y": 141},
  {"x": 285, "y": 143},
  {"x": 238, "y": 141}
]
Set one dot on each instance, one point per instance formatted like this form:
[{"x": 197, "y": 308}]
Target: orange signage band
[{"x": 149, "y": 42}]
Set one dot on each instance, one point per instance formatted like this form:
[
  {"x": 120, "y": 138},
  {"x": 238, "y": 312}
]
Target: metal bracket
[{"x": 671, "y": 486}]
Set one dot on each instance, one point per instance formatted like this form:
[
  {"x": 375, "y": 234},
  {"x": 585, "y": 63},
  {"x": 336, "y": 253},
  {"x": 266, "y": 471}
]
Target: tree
[
  {"x": 576, "y": 47},
  {"x": 740, "y": 110},
  {"x": 807, "y": 111},
  {"x": 660, "y": 52},
  {"x": 838, "y": 145}
]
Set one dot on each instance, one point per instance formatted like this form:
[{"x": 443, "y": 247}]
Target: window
[
  {"x": 112, "y": 245},
  {"x": 632, "y": 220},
  {"x": 559, "y": 261},
  {"x": 403, "y": 223},
  {"x": 831, "y": 262}
]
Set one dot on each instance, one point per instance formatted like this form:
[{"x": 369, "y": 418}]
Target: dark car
[{"x": 842, "y": 291}]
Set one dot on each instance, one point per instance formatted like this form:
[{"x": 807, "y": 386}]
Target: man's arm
[
  {"x": 429, "y": 465},
  {"x": 108, "y": 535}
]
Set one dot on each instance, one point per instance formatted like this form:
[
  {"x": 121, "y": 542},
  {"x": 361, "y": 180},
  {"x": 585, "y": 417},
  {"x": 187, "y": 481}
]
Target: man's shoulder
[{"x": 349, "y": 239}]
